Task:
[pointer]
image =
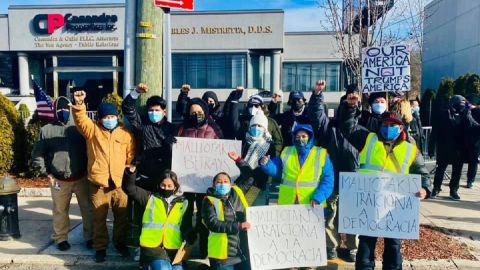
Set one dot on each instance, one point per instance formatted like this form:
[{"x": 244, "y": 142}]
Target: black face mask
[
  {"x": 197, "y": 119},
  {"x": 211, "y": 107},
  {"x": 297, "y": 107},
  {"x": 165, "y": 193}
]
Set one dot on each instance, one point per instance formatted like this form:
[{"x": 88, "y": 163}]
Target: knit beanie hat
[
  {"x": 259, "y": 119},
  {"x": 107, "y": 109},
  {"x": 255, "y": 99}
]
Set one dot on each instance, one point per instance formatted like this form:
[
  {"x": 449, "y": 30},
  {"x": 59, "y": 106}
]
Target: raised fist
[
  {"x": 79, "y": 97},
  {"x": 233, "y": 155},
  {"x": 264, "y": 160},
  {"x": 142, "y": 88}
]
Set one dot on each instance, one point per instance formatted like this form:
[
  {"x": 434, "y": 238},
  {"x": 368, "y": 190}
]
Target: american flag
[{"x": 45, "y": 108}]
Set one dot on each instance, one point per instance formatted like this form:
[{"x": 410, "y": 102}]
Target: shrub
[
  {"x": 6, "y": 145},
  {"x": 24, "y": 111},
  {"x": 8, "y": 110},
  {"x": 31, "y": 136},
  {"x": 426, "y": 106},
  {"x": 445, "y": 90},
  {"x": 460, "y": 85}
]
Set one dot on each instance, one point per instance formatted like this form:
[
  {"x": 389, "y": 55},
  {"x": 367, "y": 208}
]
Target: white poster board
[
  {"x": 382, "y": 205},
  {"x": 197, "y": 161},
  {"x": 386, "y": 69},
  {"x": 286, "y": 236}
]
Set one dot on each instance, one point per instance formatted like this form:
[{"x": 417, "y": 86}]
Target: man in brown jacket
[{"x": 110, "y": 147}]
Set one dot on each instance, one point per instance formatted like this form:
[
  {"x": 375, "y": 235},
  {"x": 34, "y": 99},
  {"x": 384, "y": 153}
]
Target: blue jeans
[{"x": 164, "y": 265}]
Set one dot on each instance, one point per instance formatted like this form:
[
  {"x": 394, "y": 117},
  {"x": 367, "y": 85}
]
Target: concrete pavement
[{"x": 35, "y": 250}]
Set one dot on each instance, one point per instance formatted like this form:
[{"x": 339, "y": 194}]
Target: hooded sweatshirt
[
  {"x": 60, "y": 149},
  {"x": 208, "y": 130}
]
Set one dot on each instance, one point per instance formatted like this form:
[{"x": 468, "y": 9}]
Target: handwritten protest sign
[
  {"x": 197, "y": 161},
  {"x": 286, "y": 236},
  {"x": 386, "y": 69},
  {"x": 382, "y": 205}
]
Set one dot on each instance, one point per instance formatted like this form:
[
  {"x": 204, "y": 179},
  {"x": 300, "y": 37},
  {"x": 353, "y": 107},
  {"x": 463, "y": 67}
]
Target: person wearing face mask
[
  {"x": 378, "y": 105},
  {"x": 304, "y": 171},
  {"x": 415, "y": 126},
  {"x": 447, "y": 142},
  {"x": 236, "y": 125},
  {"x": 110, "y": 147},
  {"x": 385, "y": 150},
  {"x": 155, "y": 133},
  {"x": 298, "y": 110},
  {"x": 224, "y": 214},
  {"x": 198, "y": 125},
  {"x": 163, "y": 226},
  {"x": 214, "y": 108},
  {"x": 60, "y": 154},
  {"x": 257, "y": 143}
]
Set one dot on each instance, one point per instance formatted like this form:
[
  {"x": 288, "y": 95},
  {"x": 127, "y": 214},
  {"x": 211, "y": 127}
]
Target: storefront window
[
  {"x": 214, "y": 71},
  {"x": 302, "y": 76},
  {"x": 91, "y": 61},
  {"x": 96, "y": 84},
  {"x": 7, "y": 78}
]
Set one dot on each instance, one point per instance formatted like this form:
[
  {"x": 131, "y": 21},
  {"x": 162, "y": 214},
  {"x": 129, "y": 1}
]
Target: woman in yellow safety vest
[
  {"x": 224, "y": 213},
  {"x": 305, "y": 170},
  {"x": 163, "y": 226}
]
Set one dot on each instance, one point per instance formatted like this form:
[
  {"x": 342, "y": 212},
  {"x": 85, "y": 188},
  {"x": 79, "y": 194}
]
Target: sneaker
[
  {"x": 454, "y": 196},
  {"x": 123, "y": 250},
  {"x": 100, "y": 255},
  {"x": 434, "y": 193},
  {"x": 469, "y": 184},
  {"x": 63, "y": 246},
  {"x": 332, "y": 254},
  {"x": 89, "y": 244}
]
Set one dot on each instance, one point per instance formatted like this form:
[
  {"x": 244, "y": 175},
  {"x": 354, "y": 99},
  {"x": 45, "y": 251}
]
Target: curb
[{"x": 35, "y": 192}]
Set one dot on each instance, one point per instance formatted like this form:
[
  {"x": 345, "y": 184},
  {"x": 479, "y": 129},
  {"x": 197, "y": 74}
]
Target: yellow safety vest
[
  {"x": 159, "y": 227},
  {"x": 374, "y": 157},
  {"x": 299, "y": 183},
  {"x": 218, "y": 242}
]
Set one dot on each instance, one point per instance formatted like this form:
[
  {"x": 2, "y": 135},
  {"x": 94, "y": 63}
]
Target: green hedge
[{"x": 6, "y": 145}]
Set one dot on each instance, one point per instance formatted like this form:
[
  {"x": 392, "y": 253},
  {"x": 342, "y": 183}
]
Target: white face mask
[{"x": 253, "y": 110}]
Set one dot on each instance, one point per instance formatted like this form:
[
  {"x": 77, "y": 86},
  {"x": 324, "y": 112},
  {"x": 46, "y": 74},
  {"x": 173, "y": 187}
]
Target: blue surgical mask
[
  {"x": 110, "y": 123},
  {"x": 223, "y": 189},
  {"x": 379, "y": 108},
  {"x": 155, "y": 116},
  {"x": 255, "y": 132},
  {"x": 390, "y": 133}
]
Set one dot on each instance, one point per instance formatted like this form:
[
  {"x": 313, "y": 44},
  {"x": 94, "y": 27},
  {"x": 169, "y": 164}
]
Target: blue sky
[{"x": 300, "y": 15}]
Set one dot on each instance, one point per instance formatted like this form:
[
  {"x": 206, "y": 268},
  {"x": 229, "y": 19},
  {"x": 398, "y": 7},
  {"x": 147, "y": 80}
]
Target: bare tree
[{"x": 364, "y": 23}]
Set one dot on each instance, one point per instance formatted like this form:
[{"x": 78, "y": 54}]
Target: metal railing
[
  {"x": 427, "y": 132},
  {"x": 92, "y": 114}
]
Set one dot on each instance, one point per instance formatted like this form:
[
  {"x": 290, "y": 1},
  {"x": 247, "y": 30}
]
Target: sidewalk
[{"x": 34, "y": 250}]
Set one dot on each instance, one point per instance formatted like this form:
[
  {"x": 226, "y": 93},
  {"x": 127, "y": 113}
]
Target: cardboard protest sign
[
  {"x": 386, "y": 69},
  {"x": 197, "y": 161},
  {"x": 286, "y": 236},
  {"x": 381, "y": 205}
]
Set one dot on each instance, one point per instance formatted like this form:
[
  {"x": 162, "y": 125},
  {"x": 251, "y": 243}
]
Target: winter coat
[
  {"x": 154, "y": 153},
  {"x": 357, "y": 136},
  {"x": 60, "y": 150},
  {"x": 287, "y": 119},
  {"x": 236, "y": 126},
  {"x": 369, "y": 120},
  {"x": 141, "y": 197},
  {"x": 415, "y": 130},
  {"x": 473, "y": 142},
  {"x": 329, "y": 136},
  {"x": 448, "y": 136},
  {"x": 274, "y": 168},
  {"x": 234, "y": 214},
  {"x": 108, "y": 151},
  {"x": 209, "y": 130}
]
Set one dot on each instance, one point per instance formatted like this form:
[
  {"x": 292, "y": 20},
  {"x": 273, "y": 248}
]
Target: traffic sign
[{"x": 182, "y": 4}]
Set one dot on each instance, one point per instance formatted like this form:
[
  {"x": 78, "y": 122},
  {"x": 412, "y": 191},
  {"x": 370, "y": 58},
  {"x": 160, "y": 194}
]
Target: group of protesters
[{"x": 107, "y": 165}]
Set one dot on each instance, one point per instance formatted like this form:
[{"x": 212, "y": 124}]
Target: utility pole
[{"x": 149, "y": 48}]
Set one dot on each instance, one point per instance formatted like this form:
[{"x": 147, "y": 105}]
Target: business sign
[
  {"x": 380, "y": 205},
  {"x": 75, "y": 28},
  {"x": 182, "y": 4},
  {"x": 197, "y": 161},
  {"x": 286, "y": 236},
  {"x": 386, "y": 69},
  {"x": 47, "y": 24}
]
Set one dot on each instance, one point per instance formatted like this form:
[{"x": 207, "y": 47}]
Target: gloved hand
[{"x": 171, "y": 140}]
